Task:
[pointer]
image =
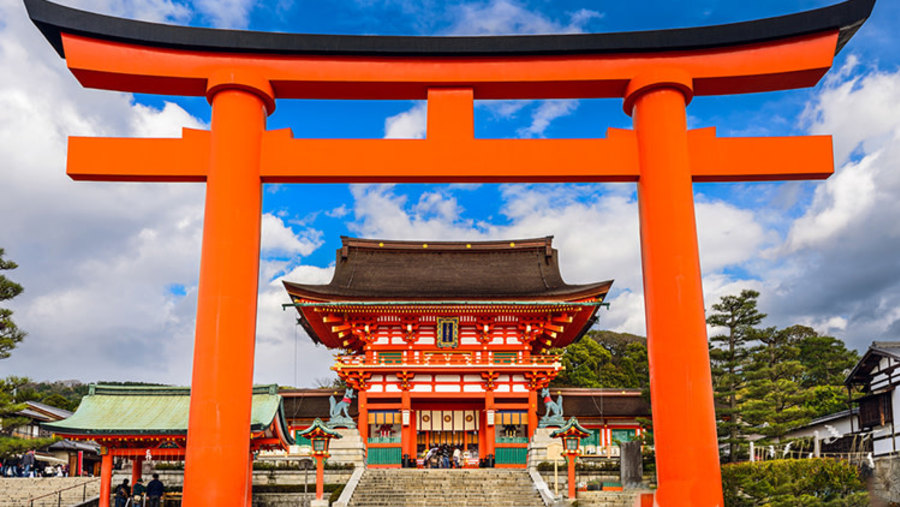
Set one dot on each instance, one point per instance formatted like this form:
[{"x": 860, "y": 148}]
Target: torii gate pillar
[
  {"x": 684, "y": 426},
  {"x": 226, "y": 302}
]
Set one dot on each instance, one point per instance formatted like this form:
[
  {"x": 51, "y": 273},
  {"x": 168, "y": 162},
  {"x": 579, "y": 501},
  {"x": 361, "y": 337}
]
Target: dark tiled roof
[
  {"x": 311, "y": 403},
  {"x": 58, "y": 413},
  {"x": 578, "y": 402},
  {"x": 368, "y": 269},
  {"x": 878, "y": 350},
  {"x": 586, "y": 402}
]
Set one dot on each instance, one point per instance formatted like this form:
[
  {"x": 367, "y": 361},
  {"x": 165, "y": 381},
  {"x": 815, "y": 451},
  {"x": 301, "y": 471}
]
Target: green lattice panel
[
  {"x": 622, "y": 435},
  {"x": 384, "y": 440},
  {"x": 511, "y": 455},
  {"x": 384, "y": 456},
  {"x": 511, "y": 440},
  {"x": 593, "y": 439}
]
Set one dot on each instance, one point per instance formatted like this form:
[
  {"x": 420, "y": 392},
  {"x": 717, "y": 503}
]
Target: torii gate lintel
[{"x": 451, "y": 154}]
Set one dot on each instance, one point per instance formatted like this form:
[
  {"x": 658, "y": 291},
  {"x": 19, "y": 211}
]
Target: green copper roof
[
  {"x": 128, "y": 410},
  {"x": 318, "y": 428},
  {"x": 571, "y": 427}
]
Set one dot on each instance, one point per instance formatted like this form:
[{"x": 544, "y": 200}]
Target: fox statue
[
  {"x": 554, "y": 408},
  {"x": 338, "y": 408}
]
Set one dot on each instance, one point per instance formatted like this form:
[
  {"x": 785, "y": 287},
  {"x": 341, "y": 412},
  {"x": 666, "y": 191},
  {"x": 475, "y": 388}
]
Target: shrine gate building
[{"x": 447, "y": 342}]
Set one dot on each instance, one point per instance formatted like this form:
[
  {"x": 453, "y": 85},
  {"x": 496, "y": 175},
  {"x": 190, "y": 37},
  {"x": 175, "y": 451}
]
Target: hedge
[{"x": 789, "y": 483}]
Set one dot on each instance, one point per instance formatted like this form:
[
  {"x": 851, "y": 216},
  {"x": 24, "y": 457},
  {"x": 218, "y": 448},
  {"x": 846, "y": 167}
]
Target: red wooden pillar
[
  {"x": 482, "y": 433},
  {"x": 105, "y": 479},
  {"x": 137, "y": 463},
  {"x": 684, "y": 423},
  {"x": 532, "y": 412},
  {"x": 320, "y": 476},
  {"x": 218, "y": 442},
  {"x": 489, "y": 433},
  {"x": 414, "y": 434},
  {"x": 571, "y": 475},
  {"x": 363, "y": 420},
  {"x": 407, "y": 437}
]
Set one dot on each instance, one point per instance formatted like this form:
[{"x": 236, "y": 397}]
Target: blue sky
[{"x": 110, "y": 270}]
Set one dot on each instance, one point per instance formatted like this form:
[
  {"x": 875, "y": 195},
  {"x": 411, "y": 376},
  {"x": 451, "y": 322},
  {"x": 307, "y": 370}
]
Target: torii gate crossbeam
[{"x": 656, "y": 73}]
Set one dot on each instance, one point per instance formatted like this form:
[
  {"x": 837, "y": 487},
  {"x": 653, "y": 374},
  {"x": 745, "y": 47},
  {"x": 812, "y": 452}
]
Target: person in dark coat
[
  {"x": 27, "y": 463},
  {"x": 123, "y": 491},
  {"x": 155, "y": 490}
]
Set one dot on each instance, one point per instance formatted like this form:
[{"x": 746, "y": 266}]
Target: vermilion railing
[{"x": 475, "y": 358}]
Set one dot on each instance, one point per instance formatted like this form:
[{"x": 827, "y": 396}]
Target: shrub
[
  {"x": 581, "y": 466},
  {"x": 169, "y": 465},
  {"x": 336, "y": 494},
  {"x": 789, "y": 483}
]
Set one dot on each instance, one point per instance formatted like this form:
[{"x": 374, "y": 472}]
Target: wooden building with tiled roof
[
  {"x": 448, "y": 342},
  {"x": 151, "y": 422}
]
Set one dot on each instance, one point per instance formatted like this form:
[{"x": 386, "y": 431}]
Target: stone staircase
[
  {"x": 475, "y": 487},
  {"x": 17, "y": 492},
  {"x": 610, "y": 498}
]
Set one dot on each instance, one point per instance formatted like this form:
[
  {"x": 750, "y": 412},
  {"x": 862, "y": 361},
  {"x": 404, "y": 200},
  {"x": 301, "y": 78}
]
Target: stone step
[{"x": 446, "y": 488}]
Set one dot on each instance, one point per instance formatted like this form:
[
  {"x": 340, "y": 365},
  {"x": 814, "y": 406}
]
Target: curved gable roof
[
  {"x": 139, "y": 410},
  {"x": 381, "y": 270},
  {"x": 53, "y": 20}
]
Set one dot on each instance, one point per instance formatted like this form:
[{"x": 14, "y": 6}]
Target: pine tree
[
  {"x": 739, "y": 316},
  {"x": 775, "y": 399},
  {"x": 10, "y": 334},
  {"x": 826, "y": 361}
]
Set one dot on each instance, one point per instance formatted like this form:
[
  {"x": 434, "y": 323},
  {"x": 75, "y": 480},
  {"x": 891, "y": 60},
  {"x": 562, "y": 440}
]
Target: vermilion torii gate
[{"x": 656, "y": 73}]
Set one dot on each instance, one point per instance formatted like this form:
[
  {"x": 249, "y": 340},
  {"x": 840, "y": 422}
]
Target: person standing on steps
[
  {"x": 27, "y": 463},
  {"x": 123, "y": 491},
  {"x": 155, "y": 491}
]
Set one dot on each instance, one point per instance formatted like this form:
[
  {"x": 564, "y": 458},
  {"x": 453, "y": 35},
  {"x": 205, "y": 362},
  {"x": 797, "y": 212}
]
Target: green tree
[
  {"x": 775, "y": 399},
  {"x": 605, "y": 359},
  {"x": 582, "y": 362},
  {"x": 10, "y": 334},
  {"x": 729, "y": 355},
  {"x": 10, "y": 420},
  {"x": 59, "y": 401},
  {"x": 826, "y": 362}
]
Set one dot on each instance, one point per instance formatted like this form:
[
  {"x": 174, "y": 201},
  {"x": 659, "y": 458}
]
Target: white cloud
[
  {"x": 545, "y": 113},
  {"x": 279, "y": 239},
  {"x": 595, "y": 229},
  {"x": 157, "y": 11},
  {"x": 282, "y": 346},
  {"x": 218, "y": 13},
  {"x": 226, "y": 13},
  {"x": 507, "y": 17},
  {"x": 110, "y": 269},
  {"x": 408, "y": 124},
  {"x": 837, "y": 269}
]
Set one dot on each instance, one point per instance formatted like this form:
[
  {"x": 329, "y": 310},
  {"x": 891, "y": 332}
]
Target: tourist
[
  {"x": 155, "y": 491},
  {"x": 445, "y": 457},
  {"x": 27, "y": 463},
  {"x": 430, "y": 457},
  {"x": 122, "y": 493},
  {"x": 9, "y": 467},
  {"x": 457, "y": 454},
  {"x": 137, "y": 493}
]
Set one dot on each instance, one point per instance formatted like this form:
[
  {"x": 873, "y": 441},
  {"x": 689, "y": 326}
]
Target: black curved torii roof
[{"x": 53, "y": 19}]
